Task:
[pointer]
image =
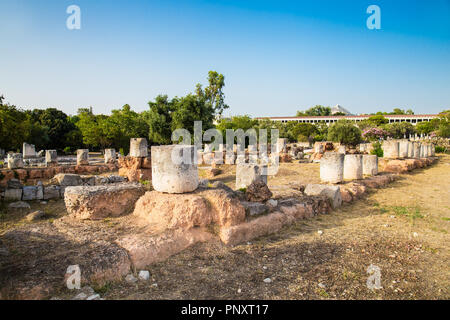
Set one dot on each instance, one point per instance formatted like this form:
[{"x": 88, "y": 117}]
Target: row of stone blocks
[
  {"x": 15, "y": 160},
  {"x": 15, "y": 191},
  {"x": 174, "y": 170},
  {"x": 337, "y": 167},
  {"x": 402, "y": 149}
]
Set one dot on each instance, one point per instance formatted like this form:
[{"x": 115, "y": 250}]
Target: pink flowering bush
[{"x": 374, "y": 133}]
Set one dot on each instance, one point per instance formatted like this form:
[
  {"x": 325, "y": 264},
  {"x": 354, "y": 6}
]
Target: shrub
[
  {"x": 440, "y": 149},
  {"x": 67, "y": 150},
  {"x": 344, "y": 132},
  {"x": 377, "y": 149},
  {"x": 374, "y": 133}
]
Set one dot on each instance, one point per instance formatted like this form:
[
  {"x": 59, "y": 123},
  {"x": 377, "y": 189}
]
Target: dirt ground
[{"x": 402, "y": 229}]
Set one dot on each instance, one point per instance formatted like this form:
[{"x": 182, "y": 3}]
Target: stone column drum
[
  {"x": 82, "y": 157},
  {"x": 428, "y": 150},
  {"x": 353, "y": 167},
  {"x": 247, "y": 173},
  {"x": 410, "y": 149},
  {"x": 138, "y": 147},
  {"x": 51, "y": 157},
  {"x": 403, "y": 149},
  {"x": 29, "y": 151},
  {"x": 416, "y": 147},
  {"x": 422, "y": 150},
  {"x": 174, "y": 168},
  {"x": 332, "y": 167},
  {"x": 110, "y": 156},
  {"x": 391, "y": 149},
  {"x": 370, "y": 165}
]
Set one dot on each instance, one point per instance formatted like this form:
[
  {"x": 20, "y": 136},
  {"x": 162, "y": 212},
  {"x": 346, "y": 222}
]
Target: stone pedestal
[
  {"x": 174, "y": 169},
  {"x": 403, "y": 149},
  {"x": 410, "y": 149},
  {"x": 82, "y": 157},
  {"x": 51, "y": 158},
  {"x": 422, "y": 150},
  {"x": 416, "y": 150},
  {"x": 332, "y": 167},
  {"x": 353, "y": 167},
  {"x": 247, "y": 173},
  {"x": 391, "y": 149},
  {"x": 370, "y": 165},
  {"x": 29, "y": 151},
  {"x": 110, "y": 156},
  {"x": 15, "y": 161},
  {"x": 138, "y": 147}
]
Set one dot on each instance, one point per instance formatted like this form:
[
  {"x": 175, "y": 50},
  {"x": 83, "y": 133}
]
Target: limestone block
[
  {"x": 68, "y": 179},
  {"x": 110, "y": 156},
  {"x": 82, "y": 157},
  {"x": 403, "y": 149},
  {"x": 353, "y": 167},
  {"x": 332, "y": 167},
  {"x": 333, "y": 193},
  {"x": 370, "y": 165},
  {"x": 391, "y": 149},
  {"x": 138, "y": 147},
  {"x": 247, "y": 173},
  {"x": 29, "y": 193},
  {"x": 51, "y": 157},
  {"x": 15, "y": 161},
  {"x": 99, "y": 202},
  {"x": 174, "y": 169},
  {"x": 13, "y": 194},
  {"x": 29, "y": 151}
]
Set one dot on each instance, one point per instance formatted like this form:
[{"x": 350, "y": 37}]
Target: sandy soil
[{"x": 402, "y": 229}]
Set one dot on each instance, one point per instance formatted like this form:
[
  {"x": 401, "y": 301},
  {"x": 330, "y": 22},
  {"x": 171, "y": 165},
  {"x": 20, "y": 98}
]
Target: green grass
[{"x": 412, "y": 213}]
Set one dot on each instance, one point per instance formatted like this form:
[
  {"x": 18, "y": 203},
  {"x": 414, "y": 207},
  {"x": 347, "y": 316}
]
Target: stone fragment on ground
[
  {"x": 99, "y": 202},
  {"x": 333, "y": 193},
  {"x": 258, "y": 191}
]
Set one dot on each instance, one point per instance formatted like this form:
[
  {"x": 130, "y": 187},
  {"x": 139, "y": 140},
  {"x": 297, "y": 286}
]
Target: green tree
[
  {"x": 159, "y": 119},
  {"x": 317, "y": 110},
  {"x": 57, "y": 125},
  {"x": 213, "y": 94},
  {"x": 399, "y": 130},
  {"x": 302, "y": 132},
  {"x": 345, "y": 132},
  {"x": 377, "y": 120},
  {"x": 190, "y": 109},
  {"x": 14, "y": 127}
]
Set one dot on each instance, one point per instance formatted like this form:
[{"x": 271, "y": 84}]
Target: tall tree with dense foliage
[
  {"x": 317, "y": 110},
  {"x": 213, "y": 94},
  {"x": 159, "y": 119},
  {"x": 344, "y": 132}
]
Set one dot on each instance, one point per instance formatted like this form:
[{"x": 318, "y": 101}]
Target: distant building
[
  {"x": 411, "y": 118},
  {"x": 339, "y": 109}
]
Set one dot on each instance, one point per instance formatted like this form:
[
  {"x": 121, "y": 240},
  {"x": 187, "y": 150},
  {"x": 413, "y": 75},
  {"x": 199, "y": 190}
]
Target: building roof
[{"x": 390, "y": 116}]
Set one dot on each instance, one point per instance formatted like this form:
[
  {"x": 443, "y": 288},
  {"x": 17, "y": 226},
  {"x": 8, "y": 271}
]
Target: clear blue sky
[{"x": 277, "y": 56}]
